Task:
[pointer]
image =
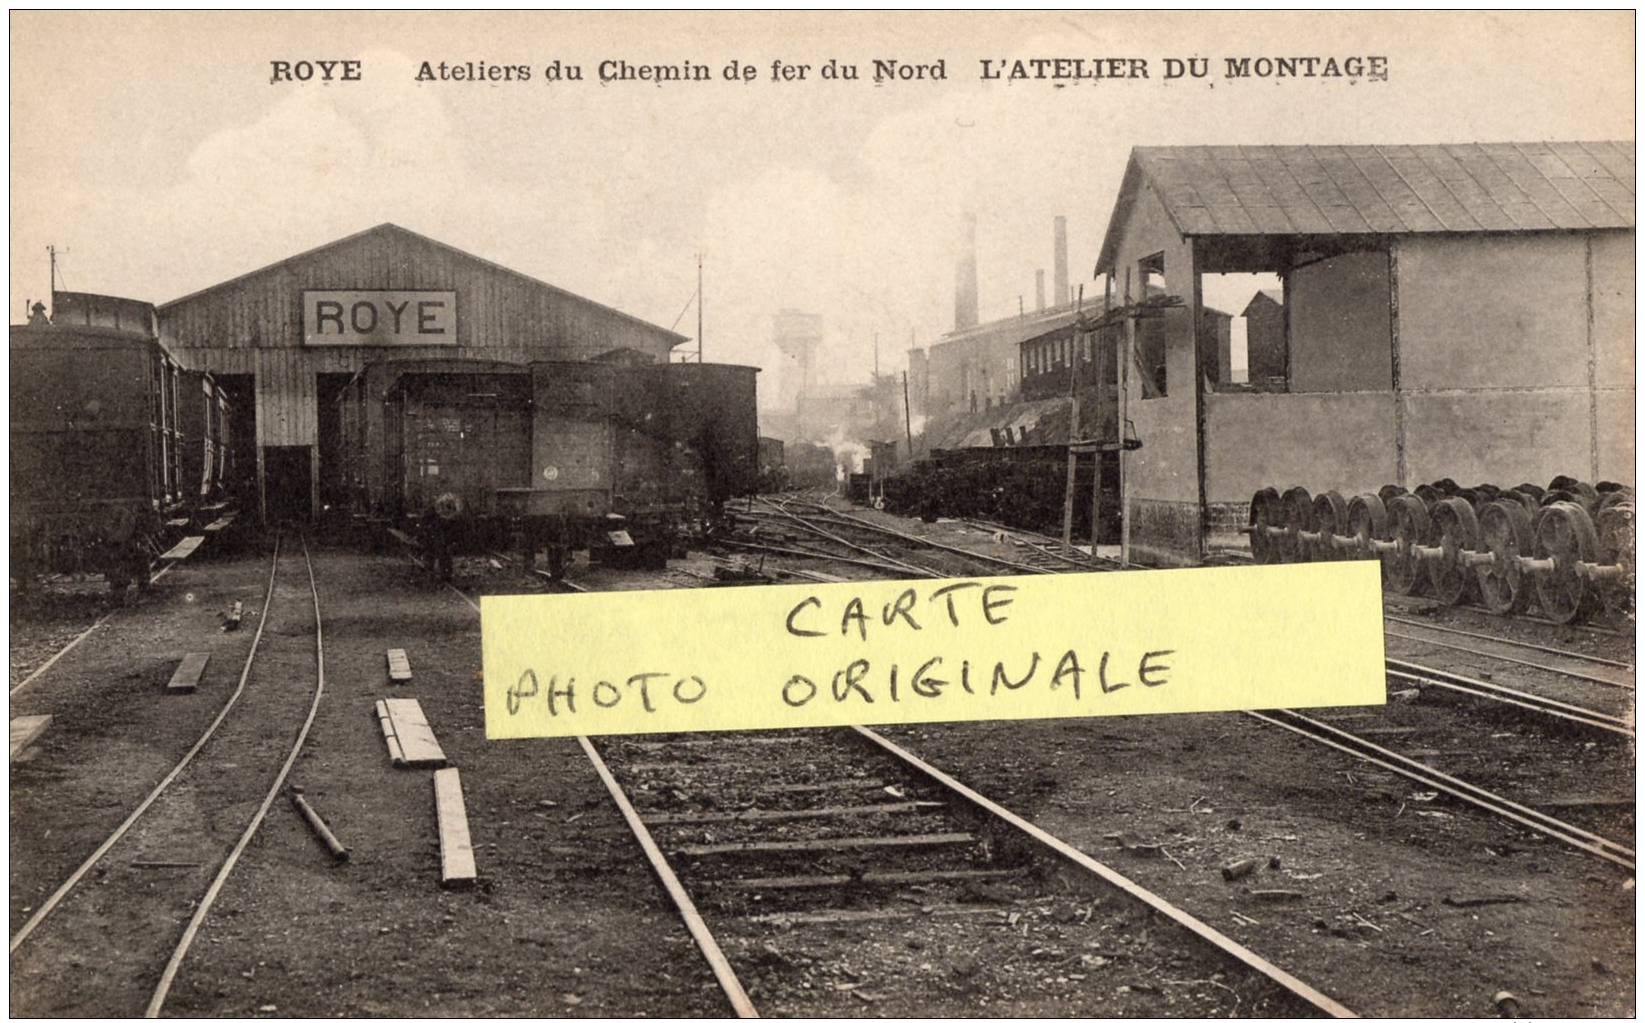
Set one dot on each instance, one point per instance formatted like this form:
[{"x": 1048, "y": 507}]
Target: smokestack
[
  {"x": 1061, "y": 266},
  {"x": 965, "y": 278},
  {"x": 1039, "y": 291}
]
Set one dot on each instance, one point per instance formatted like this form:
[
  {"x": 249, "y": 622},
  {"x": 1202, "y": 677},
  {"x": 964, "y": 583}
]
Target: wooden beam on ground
[
  {"x": 411, "y": 732},
  {"x": 832, "y": 844},
  {"x": 847, "y": 916},
  {"x": 404, "y": 537},
  {"x": 25, "y": 730},
  {"x": 720, "y": 816},
  {"x": 177, "y": 523},
  {"x": 396, "y": 755},
  {"x": 399, "y": 666},
  {"x": 218, "y": 525},
  {"x": 187, "y": 676},
  {"x": 186, "y": 546},
  {"x": 456, "y": 849},
  {"x": 792, "y": 882},
  {"x": 826, "y": 786}
]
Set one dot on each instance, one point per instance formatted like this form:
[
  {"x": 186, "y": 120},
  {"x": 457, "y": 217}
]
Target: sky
[{"x": 157, "y": 156}]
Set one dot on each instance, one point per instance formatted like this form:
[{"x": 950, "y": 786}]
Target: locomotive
[
  {"x": 111, "y": 440},
  {"x": 624, "y": 459}
]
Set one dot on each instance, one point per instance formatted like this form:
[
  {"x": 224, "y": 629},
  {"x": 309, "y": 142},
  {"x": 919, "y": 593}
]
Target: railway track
[
  {"x": 37, "y": 673},
  {"x": 1487, "y": 695},
  {"x": 1389, "y": 760},
  {"x": 834, "y": 849},
  {"x": 124, "y": 920},
  {"x": 807, "y": 840}
]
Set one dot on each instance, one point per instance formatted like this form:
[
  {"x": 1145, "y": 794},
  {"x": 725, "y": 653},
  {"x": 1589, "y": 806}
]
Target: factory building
[
  {"x": 977, "y": 366},
  {"x": 289, "y": 337},
  {"x": 1461, "y": 311}
]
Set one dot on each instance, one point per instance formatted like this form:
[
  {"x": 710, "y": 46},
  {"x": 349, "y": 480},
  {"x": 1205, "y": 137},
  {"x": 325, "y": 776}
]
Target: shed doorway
[{"x": 288, "y": 481}]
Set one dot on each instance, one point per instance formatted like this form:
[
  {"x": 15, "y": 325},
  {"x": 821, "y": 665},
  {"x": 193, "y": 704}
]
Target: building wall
[
  {"x": 1342, "y": 442},
  {"x": 1340, "y": 335},
  {"x": 1614, "y": 358},
  {"x": 1161, "y": 479},
  {"x": 1516, "y": 357}
]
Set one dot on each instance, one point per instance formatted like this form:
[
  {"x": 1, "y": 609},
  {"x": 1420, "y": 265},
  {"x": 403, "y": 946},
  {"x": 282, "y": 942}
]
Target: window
[{"x": 1151, "y": 346}]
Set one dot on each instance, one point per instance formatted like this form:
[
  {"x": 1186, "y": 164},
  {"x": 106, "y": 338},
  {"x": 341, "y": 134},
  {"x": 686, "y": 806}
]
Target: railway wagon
[
  {"x": 92, "y": 443},
  {"x": 622, "y": 460},
  {"x": 203, "y": 452}
]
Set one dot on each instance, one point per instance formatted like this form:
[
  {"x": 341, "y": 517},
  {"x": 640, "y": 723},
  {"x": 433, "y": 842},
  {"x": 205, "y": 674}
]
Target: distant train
[
  {"x": 620, "y": 459},
  {"x": 111, "y": 440}
]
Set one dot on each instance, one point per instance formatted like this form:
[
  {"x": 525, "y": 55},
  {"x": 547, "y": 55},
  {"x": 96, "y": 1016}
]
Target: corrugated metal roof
[{"x": 1428, "y": 189}]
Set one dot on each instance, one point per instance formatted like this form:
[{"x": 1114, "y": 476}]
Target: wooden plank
[
  {"x": 841, "y": 785},
  {"x": 456, "y": 849},
  {"x": 177, "y": 523},
  {"x": 847, "y": 916},
  {"x": 417, "y": 742},
  {"x": 396, "y": 755},
  {"x": 399, "y": 666},
  {"x": 791, "y": 882},
  {"x": 690, "y": 817},
  {"x": 1578, "y": 802},
  {"x": 186, "y": 546},
  {"x": 187, "y": 675},
  {"x": 25, "y": 730},
  {"x": 832, "y": 844},
  {"x": 404, "y": 537}
]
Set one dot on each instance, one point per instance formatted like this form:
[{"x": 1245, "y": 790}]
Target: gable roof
[
  {"x": 1334, "y": 190},
  {"x": 1270, "y": 294},
  {"x": 387, "y": 228}
]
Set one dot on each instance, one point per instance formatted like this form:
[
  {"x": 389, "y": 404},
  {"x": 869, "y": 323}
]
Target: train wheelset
[{"x": 1568, "y": 547}]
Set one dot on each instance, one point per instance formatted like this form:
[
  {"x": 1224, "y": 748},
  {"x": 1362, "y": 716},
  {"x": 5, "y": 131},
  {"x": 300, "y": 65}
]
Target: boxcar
[
  {"x": 93, "y": 443},
  {"x": 552, "y": 456}
]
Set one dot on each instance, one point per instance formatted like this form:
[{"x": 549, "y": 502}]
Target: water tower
[{"x": 797, "y": 336}]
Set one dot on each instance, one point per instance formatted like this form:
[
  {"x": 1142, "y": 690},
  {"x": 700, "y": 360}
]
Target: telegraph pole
[{"x": 699, "y": 308}]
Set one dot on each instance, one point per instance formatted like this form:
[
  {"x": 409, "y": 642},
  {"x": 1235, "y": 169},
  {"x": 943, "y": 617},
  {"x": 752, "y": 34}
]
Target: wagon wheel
[
  {"x": 1447, "y": 487},
  {"x": 1408, "y": 526},
  {"x": 1586, "y": 496},
  {"x": 1505, "y": 531},
  {"x": 1617, "y": 547},
  {"x": 1430, "y": 495},
  {"x": 1331, "y": 519},
  {"x": 1609, "y": 499},
  {"x": 1528, "y": 500},
  {"x": 1566, "y": 536},
  {"x": 1456, "y": 530},
  {"x": 1388, "y": 491},
  {"x": 1299, "y": 519},
  {"x": 1532, "y": 489},
  {"x": 1367, "y": 521},
  {"x": 1265, "y": 512},
  {"x": 1490, "y": 492}
]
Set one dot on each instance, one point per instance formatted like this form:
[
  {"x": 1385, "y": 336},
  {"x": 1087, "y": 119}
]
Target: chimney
[
  {"x": 1039, "y": 291},
  {"x": 1061, "y": 266},
  {"x": 965, "y": 278}
]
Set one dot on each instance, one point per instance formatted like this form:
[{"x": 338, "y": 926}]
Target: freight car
[
  {"x": 110, "y": 439},
  {"x": 622, "y": 460}
]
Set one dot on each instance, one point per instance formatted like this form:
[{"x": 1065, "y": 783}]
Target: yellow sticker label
[{"x": 1002, "y": 647}]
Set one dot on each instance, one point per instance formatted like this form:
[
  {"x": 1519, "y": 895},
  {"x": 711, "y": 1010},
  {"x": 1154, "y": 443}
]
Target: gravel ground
[{"x": 1387, "y": 897}]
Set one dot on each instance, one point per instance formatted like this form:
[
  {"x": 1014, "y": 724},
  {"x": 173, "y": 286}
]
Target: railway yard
[{"x": 1464, "y": 850}]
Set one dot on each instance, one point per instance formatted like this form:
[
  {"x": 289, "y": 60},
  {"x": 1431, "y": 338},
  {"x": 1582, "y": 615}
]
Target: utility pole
[
  {"x": 876, "y": 357},
  {"x": 699, "y": 308}
]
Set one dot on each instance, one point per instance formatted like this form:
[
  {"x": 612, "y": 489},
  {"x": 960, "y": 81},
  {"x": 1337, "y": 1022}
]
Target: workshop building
[
  {"x": 289, "y": 337},
  {"x": 1461, "y": 311}
]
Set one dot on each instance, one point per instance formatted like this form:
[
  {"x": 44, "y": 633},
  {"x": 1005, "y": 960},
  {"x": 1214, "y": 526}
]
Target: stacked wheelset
[{"x": 1568, "y": 546}]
